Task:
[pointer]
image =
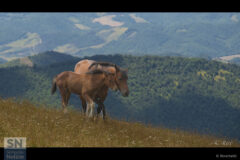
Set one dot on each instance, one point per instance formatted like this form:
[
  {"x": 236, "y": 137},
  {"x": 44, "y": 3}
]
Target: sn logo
[{"x": 15, "y": 142}]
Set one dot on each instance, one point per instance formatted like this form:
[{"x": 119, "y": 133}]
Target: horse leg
[
  {"x": 66, "y": 100},
  {"x": 88, "y": 100},
  {"x": 92, "y": 109},
  {"x": 87, "y": 110},
  {"x": 99, "y": 108},
  {"x": 103, "y": 110},
  {"x": 90, "y": 106},
  {"x": 84, "y": 104},
  {"x": 101, "y": 103},
  {"x": 64, "y": 106},
  {"x": 63, "y": 95}
]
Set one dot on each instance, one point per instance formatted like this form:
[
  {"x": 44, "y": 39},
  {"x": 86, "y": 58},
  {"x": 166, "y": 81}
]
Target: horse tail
[{"x": 54, "y": 86}]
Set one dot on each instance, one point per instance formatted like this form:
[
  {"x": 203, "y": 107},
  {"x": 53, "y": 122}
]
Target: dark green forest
[{"x": 183, "y": 93}]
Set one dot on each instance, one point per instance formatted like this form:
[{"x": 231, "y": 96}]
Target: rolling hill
[
  {"x": 40, "y": 60},
  {"x": 191, "y": 94},
  {"x": 2, "y": 60},
  {"x": 206, "y": 35}
]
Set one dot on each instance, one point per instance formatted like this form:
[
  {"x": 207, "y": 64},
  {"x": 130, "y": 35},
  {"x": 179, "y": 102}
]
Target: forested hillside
[{"x": 184, "y": 93}]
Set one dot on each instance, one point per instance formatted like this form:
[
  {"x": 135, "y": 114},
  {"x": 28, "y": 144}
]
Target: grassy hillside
[
  {"x": 184, "y": 93},
  {"x": 45, "y": 127}
]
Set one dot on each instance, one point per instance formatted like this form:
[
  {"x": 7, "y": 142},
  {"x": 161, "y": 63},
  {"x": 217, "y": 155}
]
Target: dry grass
[{"x": 48, "y": 127}]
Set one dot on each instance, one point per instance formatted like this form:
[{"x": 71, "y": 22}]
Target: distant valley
[{"x": 205, "y": 35}]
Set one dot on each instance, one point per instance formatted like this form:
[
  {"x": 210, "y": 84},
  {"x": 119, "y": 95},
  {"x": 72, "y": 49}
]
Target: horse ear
[{"x": 116, "y": 67}]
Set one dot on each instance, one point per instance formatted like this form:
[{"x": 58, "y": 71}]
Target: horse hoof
[{"x": 65, "y": 111}]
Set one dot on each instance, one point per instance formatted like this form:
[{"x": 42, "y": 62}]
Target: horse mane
[
  {"x": 98, "y": 71},
  {"x": 103, "y": 64}
]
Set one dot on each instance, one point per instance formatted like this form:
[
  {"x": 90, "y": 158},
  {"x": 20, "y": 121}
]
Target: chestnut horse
[
  {"x": 88, "y": 86},
  {"x": 121, "y": 77}
]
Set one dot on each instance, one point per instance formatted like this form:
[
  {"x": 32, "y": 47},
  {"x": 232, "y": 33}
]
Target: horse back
[
  {"x": 82, "y": 66},
  {"x": 64, "y": 77}
]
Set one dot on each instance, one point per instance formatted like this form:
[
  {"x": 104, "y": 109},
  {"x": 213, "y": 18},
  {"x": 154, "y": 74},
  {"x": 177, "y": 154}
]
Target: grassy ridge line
[{"x": 48, "y": 127}]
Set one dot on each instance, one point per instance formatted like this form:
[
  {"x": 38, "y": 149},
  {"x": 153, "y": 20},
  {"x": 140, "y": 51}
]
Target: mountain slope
[
  {"x": 44, "y": 127},
  {"x": 207, "y": 35},
  {"x": 50, "y": 57},
  {"x": 185, "y": 93},
  {"x": 2, "y": 60},
  {"x": 40, "y": 60}
]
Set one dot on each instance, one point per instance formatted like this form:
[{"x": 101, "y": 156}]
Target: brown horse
[
  {"x": 88, "y": 86},
  {"x": 121, "y": 78}
]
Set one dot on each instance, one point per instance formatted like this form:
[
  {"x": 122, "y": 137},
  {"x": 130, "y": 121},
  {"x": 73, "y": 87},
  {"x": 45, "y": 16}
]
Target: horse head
[
  {"x": 121, "y": 80},
  {"x": 120, "y": 76},
  {"x": 109, "y": 78}
]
